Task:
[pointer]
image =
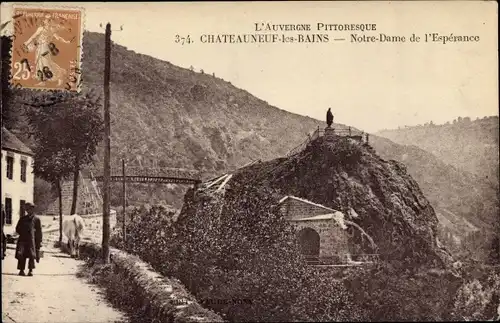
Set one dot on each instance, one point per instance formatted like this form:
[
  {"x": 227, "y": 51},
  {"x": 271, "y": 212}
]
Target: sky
[{"x": 371, "y": 86}]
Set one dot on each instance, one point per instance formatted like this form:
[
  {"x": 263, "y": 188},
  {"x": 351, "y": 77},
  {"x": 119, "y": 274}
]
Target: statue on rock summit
[{"x": 329, "y": 118}]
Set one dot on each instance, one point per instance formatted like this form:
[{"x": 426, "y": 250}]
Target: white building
[{"x": 17, "y": 178}]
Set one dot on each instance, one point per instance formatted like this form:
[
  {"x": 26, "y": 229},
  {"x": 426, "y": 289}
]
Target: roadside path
[{"x": 53, "y": 294}]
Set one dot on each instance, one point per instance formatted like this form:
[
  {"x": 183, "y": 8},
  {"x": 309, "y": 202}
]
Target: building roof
[
  {"x": 306, "y": 201},
  {"x": 337, "y": 216},
  {"x": 328, "y": 216},
  {"x": 11, "y": 142}
]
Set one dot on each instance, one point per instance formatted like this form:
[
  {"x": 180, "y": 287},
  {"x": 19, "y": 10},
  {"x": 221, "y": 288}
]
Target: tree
[
  {"x": 44, "y": 194},
  {"x": 84, "y": 132},
  {"x": 67, "y": 128},
  {"x": 10, "y": 114},
  {"x": 50, "y": 162},
  {"x": 51, "y": 165}
]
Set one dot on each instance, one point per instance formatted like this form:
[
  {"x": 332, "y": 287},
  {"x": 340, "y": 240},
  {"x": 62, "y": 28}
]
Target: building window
[
  {"x": 23, "y": 170},
  {"x": 8, "y": 210},
  {"x": 21, "y": 207},
  {"x": 10, "y": 167}
]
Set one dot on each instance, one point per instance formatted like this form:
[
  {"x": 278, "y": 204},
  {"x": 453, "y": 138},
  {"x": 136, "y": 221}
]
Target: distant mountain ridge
[
  {"x": 469, "y": 211},
  {"x": 459, "y": 198},
  {"x": 469, "y": 145}
]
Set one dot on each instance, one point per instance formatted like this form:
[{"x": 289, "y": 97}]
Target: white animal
[{"x": 73, "y": 227}]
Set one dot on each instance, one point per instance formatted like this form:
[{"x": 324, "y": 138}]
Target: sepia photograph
[{"x": 291, "y": 161}]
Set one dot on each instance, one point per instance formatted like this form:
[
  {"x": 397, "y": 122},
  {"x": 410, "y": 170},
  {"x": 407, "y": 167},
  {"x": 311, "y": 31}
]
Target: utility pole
[
  {"x": 106, "y": 196},
  {"x": 124, "y": 204}
]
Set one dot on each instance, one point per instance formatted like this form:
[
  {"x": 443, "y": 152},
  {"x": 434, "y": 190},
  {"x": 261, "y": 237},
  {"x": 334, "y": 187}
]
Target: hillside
[
  {"x": 464, "y": 203},
  {"x": 186, "y": 119},
  {"x": 175, "y": 117},
  {"x": 468, "y": 145},
  {"x": 169, "y": 116}
]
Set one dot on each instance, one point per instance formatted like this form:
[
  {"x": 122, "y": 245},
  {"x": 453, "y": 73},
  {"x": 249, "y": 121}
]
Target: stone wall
[
  {"x": 93, "y": 226},
  {"x": 133, "y": 282},
  {"x": 92, "y": 232},
  {"x": 50, "y": 236},
  {"x": 293, "y": 208},
  {"x": 333, "y": 239}
]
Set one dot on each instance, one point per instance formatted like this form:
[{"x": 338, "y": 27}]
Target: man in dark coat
[
  {"x": 329, "y": 117},
  {"x": 29, "y": 242}
]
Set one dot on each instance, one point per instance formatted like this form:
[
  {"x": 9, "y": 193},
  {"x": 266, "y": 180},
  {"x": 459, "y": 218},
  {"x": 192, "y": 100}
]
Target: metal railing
[
  {"x": 342, "y": 259},
  {"x": 151, "y": 172},
  {"x": 342, "y": 132},
  {"x": 366, "y": 257},
  {"x": 301, "y": 146}
]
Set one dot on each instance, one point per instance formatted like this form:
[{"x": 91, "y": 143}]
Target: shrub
[
  {"x": 239, "y": 257},
  {"x": 479, "y": 296},
  {"x": 388, "y": 293},
  {"x": 336, "y": 302}
]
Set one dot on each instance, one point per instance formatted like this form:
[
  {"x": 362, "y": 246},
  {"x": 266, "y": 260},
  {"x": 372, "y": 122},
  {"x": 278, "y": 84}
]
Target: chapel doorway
[{"x": 309, "y": 242}]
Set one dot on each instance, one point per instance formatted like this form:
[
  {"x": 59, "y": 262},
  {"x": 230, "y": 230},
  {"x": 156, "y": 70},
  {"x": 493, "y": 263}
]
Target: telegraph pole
[
  {"x": 124, "y": 204},
  {"x": 106, "y": 196}
]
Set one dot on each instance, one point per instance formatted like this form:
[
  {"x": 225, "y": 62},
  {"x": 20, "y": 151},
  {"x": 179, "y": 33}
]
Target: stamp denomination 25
[{"x": 46, "y": 48}]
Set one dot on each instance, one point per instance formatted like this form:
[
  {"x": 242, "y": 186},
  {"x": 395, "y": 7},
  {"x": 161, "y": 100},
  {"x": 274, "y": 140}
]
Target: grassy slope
[{"x": 468, "y": 145}]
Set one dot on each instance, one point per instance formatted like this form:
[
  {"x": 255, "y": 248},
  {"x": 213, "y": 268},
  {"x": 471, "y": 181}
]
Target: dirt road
[{"x": 53, "y": 294}]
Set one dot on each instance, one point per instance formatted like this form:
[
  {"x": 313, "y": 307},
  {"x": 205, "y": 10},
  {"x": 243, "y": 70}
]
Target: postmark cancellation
[{"x": 47, "y": 48}]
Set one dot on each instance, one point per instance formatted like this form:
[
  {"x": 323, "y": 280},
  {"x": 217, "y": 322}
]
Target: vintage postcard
[
  {"x": 302, "y": 161},
  {"x": 46, "y": 49}
]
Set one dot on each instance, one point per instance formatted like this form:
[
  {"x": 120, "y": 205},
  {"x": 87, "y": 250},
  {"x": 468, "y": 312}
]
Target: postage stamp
[{"x": 46, "y": 48}]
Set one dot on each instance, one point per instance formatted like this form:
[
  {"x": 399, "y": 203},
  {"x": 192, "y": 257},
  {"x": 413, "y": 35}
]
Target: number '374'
[{"x": 183, "y": 40}]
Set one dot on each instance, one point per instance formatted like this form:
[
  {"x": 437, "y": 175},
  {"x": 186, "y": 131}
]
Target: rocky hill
[
  {"x": 343, "y": 173},
  {"x": 470, "y": 145}
]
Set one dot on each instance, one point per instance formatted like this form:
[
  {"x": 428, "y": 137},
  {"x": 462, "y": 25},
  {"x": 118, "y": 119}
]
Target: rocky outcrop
[{"x": 342, "y": 174}]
